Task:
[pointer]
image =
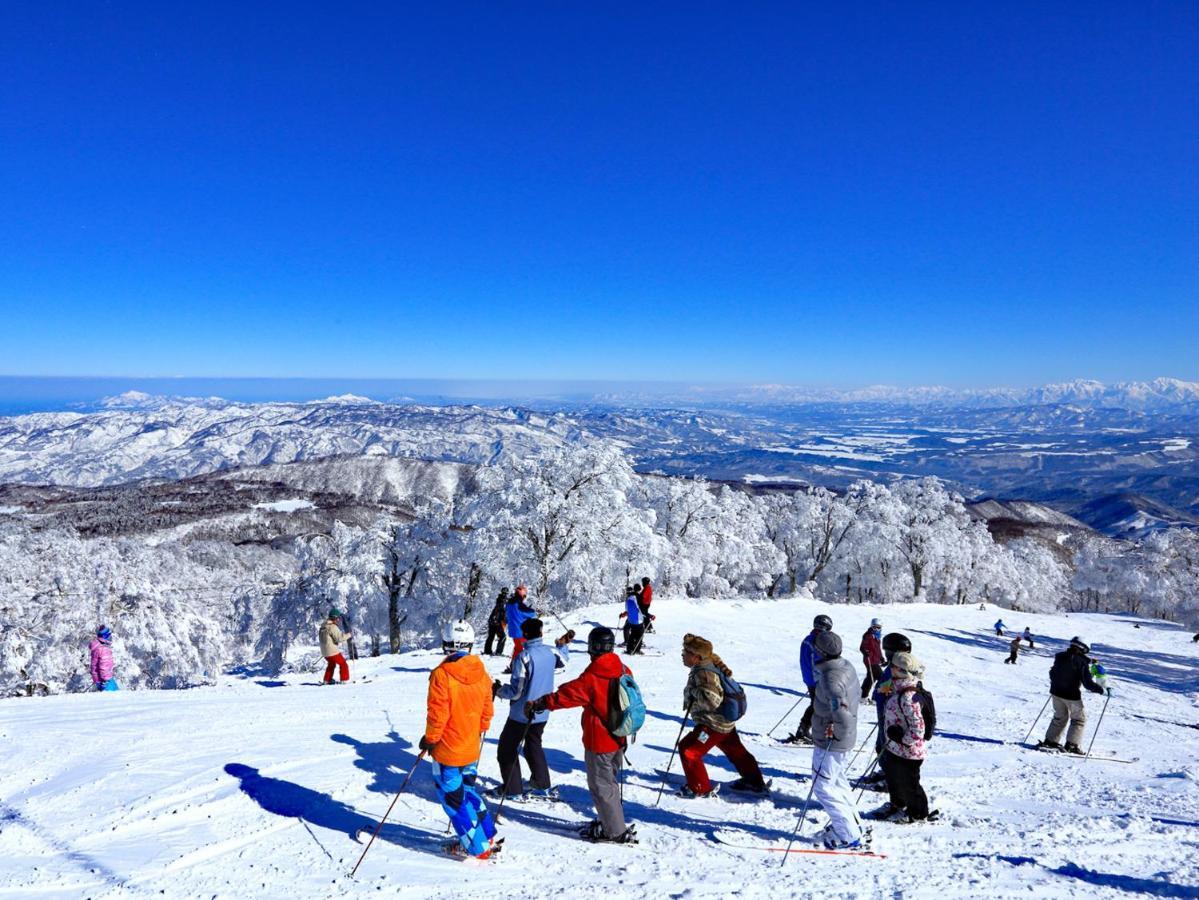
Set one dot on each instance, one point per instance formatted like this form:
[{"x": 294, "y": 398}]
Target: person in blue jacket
[
  {"x": 999, "y": 626},
  {"x": 635, "y": 626},
  {"x": 807, "y": 669},
  {"x": 532, "y": 678},
  {"x": 518, "y": 610}
]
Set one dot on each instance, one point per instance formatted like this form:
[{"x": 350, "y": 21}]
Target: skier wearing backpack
[
  {"x": 496, "y": 624},
  {"x": 835, "y": 720},
  {"x": 872, "y": 655},
  {"x": 532, "y": 679},
  {"x": 603, "y": 752},
  {"x": 1071, "y": 670},
  {"x": 102, "y": 667},
  {"x": 458, "y": 715},
  {"x": 807, "y": 670},
  {"x": 715, "y": 702},
  {"x": 905, "y": 749}
]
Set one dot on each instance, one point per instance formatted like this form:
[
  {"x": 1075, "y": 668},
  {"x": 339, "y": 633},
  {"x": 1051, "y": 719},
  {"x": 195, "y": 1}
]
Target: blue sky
[{"x": 916, "y": 193}]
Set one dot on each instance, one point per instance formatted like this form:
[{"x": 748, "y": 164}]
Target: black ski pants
[
  {"x": 636, "y": 637},
  {"x": 805, "y": 724},
  {"x": 494, "y": 633},
  {"x": 509, "y": 747},
  {"x": 1011, "y": 658},
  {"x": 873, "y": 673},
  {"x": 903, "y": 783}
]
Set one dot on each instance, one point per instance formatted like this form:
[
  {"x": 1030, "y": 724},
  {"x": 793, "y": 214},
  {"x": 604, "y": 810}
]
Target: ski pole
[
  {"x": 811, "y": 790},
  {"x": 862, "y": 746},
  {"x": 1037, "y": 719},
  {"x": 504, "y": 781},
  {"x": 379, "y": 827},
  {"x": 784, "y": 718},
  {"x": 1095, "y": 733},
  {"x": 866, "y": 774},
  {"x": 662, "y": 786}
]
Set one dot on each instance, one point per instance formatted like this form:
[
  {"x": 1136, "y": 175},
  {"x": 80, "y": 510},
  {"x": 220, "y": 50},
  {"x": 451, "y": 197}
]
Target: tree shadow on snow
[
  {"x": 409, "y": 669},
  {"x": 309, "y": 807},
  {"x": 775, "y": 690}
]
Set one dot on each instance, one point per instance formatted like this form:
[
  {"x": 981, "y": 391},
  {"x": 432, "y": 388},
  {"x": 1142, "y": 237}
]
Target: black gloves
[
  {"x": 426, "y": 745},
  {"x": 533, "y": 707},
  {"x": 895, "y": 733},
  {"x": 495, "y": 687}
]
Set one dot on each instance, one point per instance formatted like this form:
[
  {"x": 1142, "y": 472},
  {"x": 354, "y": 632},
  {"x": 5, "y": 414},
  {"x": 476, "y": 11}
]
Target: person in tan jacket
[
  {"x": 331, "y": 638},
  {"x": 704, "y": 696}
]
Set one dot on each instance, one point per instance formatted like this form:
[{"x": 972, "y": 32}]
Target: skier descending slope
[
  {"x": 807, "y": 669},
  {"x": 102, "y": 666},
  {"x": 603, "y": 753},
  {"x": 459, "y": 713},
  {"x": 835, "y": 720},
  {"x": 715, "y": 702},
  {"x": 1070, "y": 671}
]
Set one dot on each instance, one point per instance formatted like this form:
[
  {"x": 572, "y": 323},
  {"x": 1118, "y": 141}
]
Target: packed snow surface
[{"x": 255, "y": 787}]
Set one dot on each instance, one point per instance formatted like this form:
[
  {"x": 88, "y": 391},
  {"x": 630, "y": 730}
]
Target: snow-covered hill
[{"x": 254, "y": 787}]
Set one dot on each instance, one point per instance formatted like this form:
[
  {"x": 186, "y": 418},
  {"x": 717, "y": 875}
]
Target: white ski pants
[{"x": 831, "y": 788}]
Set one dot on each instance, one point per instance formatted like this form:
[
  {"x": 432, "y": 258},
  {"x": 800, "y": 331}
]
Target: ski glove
[
  {"x": 1109, "y": 692},
  {"x": 495, "y": 688},
  {"x": 533, "y": 707},
  {"x": 895, "y": 733},
  {"x": 426, "y": 744}
]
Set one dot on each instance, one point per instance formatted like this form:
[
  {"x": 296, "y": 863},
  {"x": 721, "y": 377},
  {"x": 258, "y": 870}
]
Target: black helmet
[
  {"x": 896, "y": 643},
  {"x": 1080, "y": 645},
  {"x": 601, "y": 640},
  {"x": 822, "y": 623}
]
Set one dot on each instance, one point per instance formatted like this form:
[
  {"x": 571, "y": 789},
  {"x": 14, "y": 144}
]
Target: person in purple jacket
[{"x": 102, "y": 665}]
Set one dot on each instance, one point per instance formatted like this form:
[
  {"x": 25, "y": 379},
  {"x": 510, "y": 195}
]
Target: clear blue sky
[{"x": 964, "y": 194}]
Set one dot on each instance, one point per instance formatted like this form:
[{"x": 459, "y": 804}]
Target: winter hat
[
  {"x": 876, "y": 623},
  {"x": 530, "y": 628},
  {"x": 1079, "y": 644},
  {"x": 827, "y": 644},
  {"x": 906, "y": 663},
  {"x": 103, "y": 633},
  {"x": 822, "y": 623},
  {"x": 701, "y": 647},
  {"x": 335, "y": 613}
]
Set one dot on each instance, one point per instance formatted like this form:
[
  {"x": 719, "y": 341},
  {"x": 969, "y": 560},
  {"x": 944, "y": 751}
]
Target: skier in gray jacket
[{"x": 834, "y": 731}]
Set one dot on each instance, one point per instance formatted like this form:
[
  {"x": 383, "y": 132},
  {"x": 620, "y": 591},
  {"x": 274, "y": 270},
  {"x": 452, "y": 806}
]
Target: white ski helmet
[{"x": 457, "y": 636}]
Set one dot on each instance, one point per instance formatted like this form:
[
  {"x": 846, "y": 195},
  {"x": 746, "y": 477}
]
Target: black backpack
[{"x": 928, "y": 709}]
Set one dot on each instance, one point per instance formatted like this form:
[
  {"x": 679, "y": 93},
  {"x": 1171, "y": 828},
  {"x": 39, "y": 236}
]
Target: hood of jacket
[
  {"x": 607, "y": 665},
  {"x": 465, "y": 668}
]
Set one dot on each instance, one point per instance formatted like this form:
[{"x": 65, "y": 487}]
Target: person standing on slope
[
  {"x": 603, "y": 753},
  {"x": 999, "y": 626},
  {"x": 518, "y": 609},
  {"x": 905, "y": 749},
  {"x": 331, "y": 638},
  {"x": 497, "y": 622},
  {"x": 647, "y": 597},
  {"x": 835, "y": 721},
  {"x": 872, "y": 655},
  {"x": 1028, "y": 637},
  {"x": 459, "y": 711},
  {"x": 807, "y": 671},
  {"x": 704, "y": 696},
  {"x": 1014, "y": 647},
  {"x": 634, "y": 621},
  {"x": 1071, "y": 670},
  {"x": 102, "y": 666},
  {"x": 532, "y": 678},
  {"x": 893, "y": 643}
]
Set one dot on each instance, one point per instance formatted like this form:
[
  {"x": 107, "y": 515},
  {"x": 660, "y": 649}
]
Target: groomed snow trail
[{"x": 255, "y": 787}]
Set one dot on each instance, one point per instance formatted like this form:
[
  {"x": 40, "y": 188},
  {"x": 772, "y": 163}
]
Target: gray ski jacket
[{"x": 836, "y": 703}]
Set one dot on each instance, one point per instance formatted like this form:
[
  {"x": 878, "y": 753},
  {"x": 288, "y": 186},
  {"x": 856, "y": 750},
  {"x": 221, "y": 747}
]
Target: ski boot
[
  {"x": 742, "y": 786},
  {"x": 1075, "y": 749},
  {"x": 687, "y": 794}
]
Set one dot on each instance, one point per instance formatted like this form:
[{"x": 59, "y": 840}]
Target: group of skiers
[{"x": 1014, "y": 646}]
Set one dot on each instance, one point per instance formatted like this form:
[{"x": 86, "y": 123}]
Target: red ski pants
[
  {"x": 336, "y": 662},
  {"x": 518, "y": 644},
  {"x": 695, "y": 746}
]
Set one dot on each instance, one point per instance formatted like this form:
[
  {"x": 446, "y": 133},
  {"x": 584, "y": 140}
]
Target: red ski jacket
[
  {"x": 872, "y": 650},
  {"x": 590, "y": 691}
]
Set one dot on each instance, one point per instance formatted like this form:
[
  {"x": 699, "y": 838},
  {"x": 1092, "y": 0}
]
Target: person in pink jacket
[
  {"x": 102, "y": 665},
  {"x": 905, "y": 749}
]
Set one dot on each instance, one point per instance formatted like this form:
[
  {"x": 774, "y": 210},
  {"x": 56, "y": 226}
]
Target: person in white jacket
[{"x": 834, "y": 732}]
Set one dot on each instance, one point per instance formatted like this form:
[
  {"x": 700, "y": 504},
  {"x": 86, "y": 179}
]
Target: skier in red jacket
[
  {"x": 604, "y": 754},
  {"x": 647, "y": 597},
  {"x": 872, "y": 655}
]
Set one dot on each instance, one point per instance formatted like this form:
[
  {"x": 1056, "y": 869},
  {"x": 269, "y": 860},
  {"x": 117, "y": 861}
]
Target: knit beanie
[{"x": 827, "y": 644}]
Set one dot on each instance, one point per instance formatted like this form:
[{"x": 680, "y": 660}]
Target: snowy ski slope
[{"x": 255, "y": 787}]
